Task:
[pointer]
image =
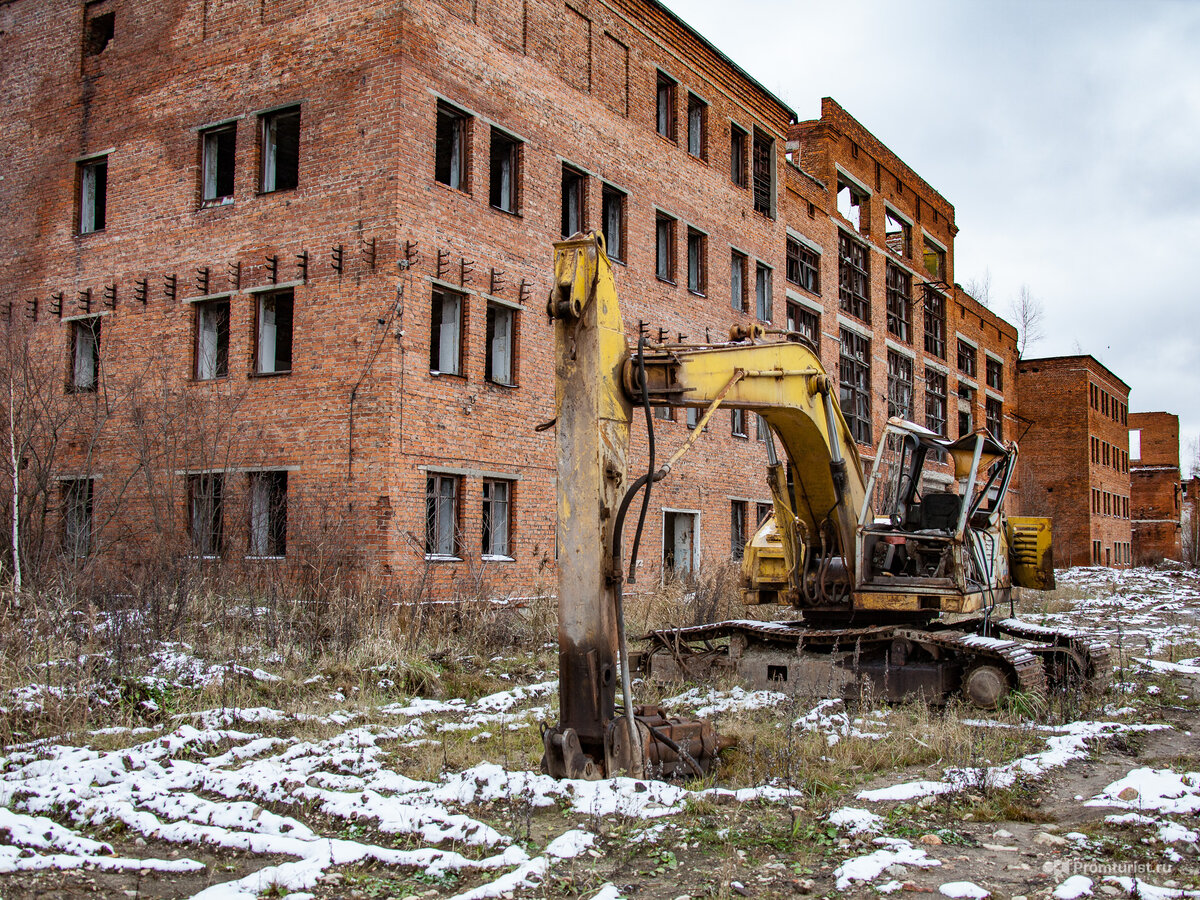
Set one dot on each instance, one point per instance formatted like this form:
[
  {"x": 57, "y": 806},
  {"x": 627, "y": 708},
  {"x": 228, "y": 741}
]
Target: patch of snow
[
  {"x": 964, "y": 890},
  {"x": 709, "y": 703},
  {"x": 571, "y": 844},
  {"x": 1161, "y": 790},
  {"x": 869, "y": 867},
  {"x": 855, "y": 821},
  {"x": 1074, "y": 887}
]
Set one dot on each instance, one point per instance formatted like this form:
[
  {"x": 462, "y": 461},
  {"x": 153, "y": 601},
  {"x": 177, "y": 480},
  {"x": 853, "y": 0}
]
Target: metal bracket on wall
[
  {"x": 31, "y": 309},
  {"x": 110, "y": 296},
  {"x": 465, "y": 268},
  {"x": 273, "y": 268},
  {"x": 56, "y": 303},
  {"x": 141, "y": 290},
  {"x": 302, "y": 265},
  {"x": 85, "y": 300},
  {"x": 411, "y": 254},
  {"x": 369, "y": 253},
  {"x": 202, "y": 280},
  {"x": 235, "y": 274},
  {"x": 524, "y": 291},
  {"x": 337, "y": 258},
  {"x": 496, "y": 285},
  {"x": 171, "y": 286},
  {"x": 443, "y": 258}
]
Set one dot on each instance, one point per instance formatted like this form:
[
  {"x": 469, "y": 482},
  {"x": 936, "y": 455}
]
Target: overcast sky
[{"x": 1065, "y": 132}]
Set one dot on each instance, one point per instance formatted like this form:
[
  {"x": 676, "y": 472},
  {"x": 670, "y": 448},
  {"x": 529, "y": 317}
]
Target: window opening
[
  {"x": 680, "y": 548},
  {"x": 737, "y": 528},
  {"x": 268, "y": 513},
  {"x": 994, "y": 414},
  {"x": 77, "y": 517},
  {"x": 737, "y": 282},
  {"x": 697, "y": 119},
  {"x": 966, "y": 409},
  {"x": 612, "y": 211},
  {"x": 212, "y": 339},
  {"x": 441, "y": 515},
  {"x": 854, "y": 283},
  {"x": 697, "y": 258},
  {"x": 206, "y": 513},
  {"x": 98, "y": 30},
  {"x": 852, "y": 204},
  {"x": 572, "y": 201},
  {"x": 273, "y": 353},
  {"x": 855, "y": 377},
  {"x": 450, "y": 162},
  {"x": 93, "y": 195},
  {"x": 446, "y": 333},
  {"x": 762, "y": 292},
  {"x": 935, "y": 323},
  {"x": 935, "y": 260},
  {"x": 897, "y": 234},
  {"x": 665, "y": 106},
  {"x": 496, "y": 517},
  {"x": 217, "y": 149},
  {"x": 803, "y": 266},
  {"x": 900, "y": 385},
  {"x": 505, "y": 175},
  {"x": 764, "y": 174},
  {"x": 664, "y": 247},
  {"x": 995, "y": 373},
  {"x": 737, "y": 422},
  {"x": 85, "y": 354},
  {"x": 501, "y": 326},
  {"x": 738, "y": 139},
  {"x": 803, "y": 320},
  {"x": 899, "y": 303},
  {"x": 935, "y": 401},
  {"x": 281, "y": 150},
  {"x": 967, "y": 358}
]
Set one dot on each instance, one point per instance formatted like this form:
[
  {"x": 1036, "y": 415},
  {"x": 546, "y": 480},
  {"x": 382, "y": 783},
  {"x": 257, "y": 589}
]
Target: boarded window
[
  {"x": 273, "y": 334},
  {"x": 281, "y": 150},
  {"x": 612, "y": 74},
  {"x": 697, "y": 262}
]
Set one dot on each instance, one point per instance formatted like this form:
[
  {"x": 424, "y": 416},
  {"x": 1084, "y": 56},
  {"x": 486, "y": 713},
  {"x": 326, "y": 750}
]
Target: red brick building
[
  {"x": 1154, "y": 490},
  {"x": 1074, "y": 457},
  {"x": 290, "y": 262}
]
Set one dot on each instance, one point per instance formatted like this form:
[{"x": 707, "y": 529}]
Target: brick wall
[
  {"x": 1155, "y": 487},
  {"x": 1073, "y": 461}
]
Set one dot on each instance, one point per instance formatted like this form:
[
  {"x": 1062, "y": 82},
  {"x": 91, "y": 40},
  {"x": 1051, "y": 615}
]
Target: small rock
[
  {"x": 683, "y": 897},
  {"x": 803, "y": 885},
  {"x": 932, "y": 839},
  {"x": 139, "y": 842},
  {"x": 1001, "y": 848},
  {"x": 897, "y": 871},
  {"x": 1046, "y": 839},
  {"x": 412, "y": 897},
  {"x": 1078, "y": 797},
  {"x": 1002, "y": 834},
  {"x": 843, "y": 843},
  {"x": 1109, "y": 890},
  {"x": 333, "y": 878},
  {"x": 131, "y": 893},
  {"x": 739, "y": 888},
  {"x": 968, "y": 817},
  {"x": 1053, "y": 829},
  {"x": 1019, "y": 897},
  {"x": 925, "y": 802},
  {"x": 915, "y": 888},
  {"x": 1129, "y": 794}
]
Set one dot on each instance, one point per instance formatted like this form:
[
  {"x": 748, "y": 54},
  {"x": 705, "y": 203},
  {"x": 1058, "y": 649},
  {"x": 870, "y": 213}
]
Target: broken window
[
  {"x": 273, "y": 334},
  {"x": 612, "y": 212},
  {"x": 935, "y": 401},
  {"x": 737, "y": 422},
  {"x": 450, "y": 152},
  {"x": 762, "y": 510},
  {"x": 691, "y": 417},
  {"x": 572, "y": 201},
  {"x": 665, "y": 106},
  {"x": 852, "y": 204},
  {"x": 441, "y": 516},
  {"x": 501, "y": 328},
  {"x": 995, "y": 374},
  {"x": 664, "y": 412},
  {"x": 268, "y": 514},
  {"x": 899, "y": 303},
  {"x": 737, "y": 281},
  {"x": 764, "y": 174},
  {"x": 994, "y": 414},
  {"x": 206, "y": 513},
  {"x": 935, "y": 260},
  {"x": 93, "y": 195},
  {"x": 99, "y": 27},
  {"x": 496, "y": 518},
  {"x": 77, "y": 517},
  {"x": 966, "y": 409},
  {"x": 762, "y": 431},
  {"x": 217, "y": 151},
  {"x": 506, "y": 169},
  {"x": 967, "y": 358},
  {"x": 854, "y": 372},
  {"x": 664, "y": 247},
  {"x": 697, "y": 120},
  {"x": 900, "y": 385},
  {"x": 681, "y": 549},
  {"x": 737, "y": 528},
  {"x": 803, "y": 266},
  {"x": 281, "y": 150},
  {"x": 85, "y": 355},
  {"x": 212, "y": 339},
  {"x": 445, "y": 333},
  {"x": 802, "y": 320},
  {"x": 697, "y": 262},
  {"x": 854, "y": 282},
  {"x": 897, "y": 234},
  {"x": 762, "y": 292},
  {"x": 935, "y": 323},
  {"x": 738, "y": 139}
]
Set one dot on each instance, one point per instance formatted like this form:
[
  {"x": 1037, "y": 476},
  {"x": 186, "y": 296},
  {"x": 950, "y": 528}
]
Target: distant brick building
[
  {"x": 1074, "y": 461},
  {"x": 289, "y": 261},
  {"x": 1154, "y": 490}
]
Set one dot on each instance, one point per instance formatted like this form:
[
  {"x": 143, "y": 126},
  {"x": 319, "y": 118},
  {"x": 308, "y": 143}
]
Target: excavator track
[
  {"x": 1092, "y": 656},
  {"x": 1022, "y": 667}
]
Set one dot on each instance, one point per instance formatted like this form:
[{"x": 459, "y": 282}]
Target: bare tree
[
  {"x": 1030, "y": 314},
  {"x": 980, "y": 288}
]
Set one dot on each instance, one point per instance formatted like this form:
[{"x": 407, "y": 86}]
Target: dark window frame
[
  {"x": 899, "y": 302},
  {"x": 92, "y": 199},
  {"x": 218, "y": 164},
  {"x": 664, "y": 247},
  {"x": 697, "y": 143},
  {"x": 504, "y": 149},
  {"x": 206, "y": 507},
  {"x": 267, "y": 527},
  {"x": 494, "y": 312},
  {"x": 488, "y": 518},
  {"x": 612, "y": 198},
  {"x": 804, "y": 321},
  {"x": 900, "y": 385},
  {"x": 452, "y": 135},
  {"x": 220, "y": 360},
  {"x": 967, "y": 358},
  {"x": 279, "y": 150},
  {"x": 803, "y": 266},
  {"x": 854, "y": 277},
  {"x": 438, "y": 304},
  {"x": 739, "y": 295},
  {"x": 435, "y": 528},
  {"x": 574, "y": 188},
  {"x": 762, "y": 163},
  {"x": 78, "y": 516},
  {"x": 697, "y": 271},
  {"x": 739, "y": 155},
  {"x": 933, "y": 306},
  {"x": 937, "y": 401},
  {"x": 664, "y": 106},
  {"x": 854, "y": 381},
  {"x": 284, "y": 315},
  {"x": 93, "y": 325}
]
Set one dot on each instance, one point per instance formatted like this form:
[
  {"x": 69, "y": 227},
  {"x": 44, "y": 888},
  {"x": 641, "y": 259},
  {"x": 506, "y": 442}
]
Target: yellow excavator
[{"x": 898, "y": 576}]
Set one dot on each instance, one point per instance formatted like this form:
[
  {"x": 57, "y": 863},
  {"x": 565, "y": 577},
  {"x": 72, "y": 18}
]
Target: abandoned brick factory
[{"x": 286, "y": 266}]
